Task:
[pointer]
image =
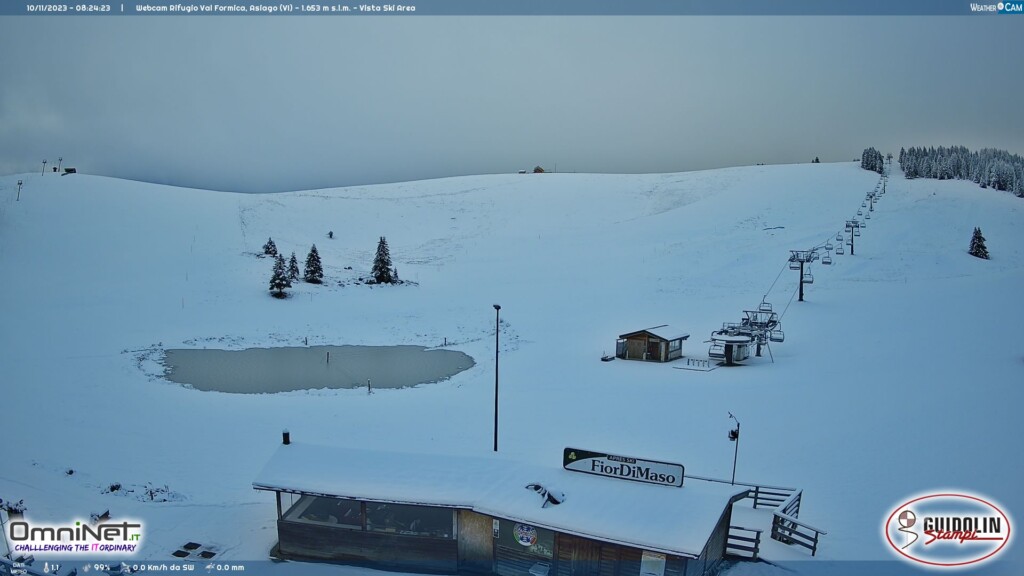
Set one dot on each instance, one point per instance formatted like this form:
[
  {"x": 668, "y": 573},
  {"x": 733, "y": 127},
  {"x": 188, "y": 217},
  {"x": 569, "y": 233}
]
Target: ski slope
[{"x": 900, "y": 374}]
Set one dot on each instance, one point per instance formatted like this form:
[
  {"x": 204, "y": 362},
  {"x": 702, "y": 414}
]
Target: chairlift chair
[
  {"x": 828, "y": 246},
  {"x": 808, "y": 278},
  {"x": 826, "y": 260},
  {"x": 717, "y": 351},
  {"x": 794, "y": 265},
  {"x": 863, "y": 224},
  {"x": 839, "y": 250},
  {"x": 863, "y": 204},
  {"x": 856, "y": 232},
  {"x": 764, "y": 307},
  {"x": 860, "y": 212},
  {"x": 777, "y": 336},
  {"x": 867, "y": 217}
]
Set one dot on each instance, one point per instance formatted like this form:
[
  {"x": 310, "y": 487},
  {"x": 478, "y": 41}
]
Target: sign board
[{"x": 623, "y": 467}]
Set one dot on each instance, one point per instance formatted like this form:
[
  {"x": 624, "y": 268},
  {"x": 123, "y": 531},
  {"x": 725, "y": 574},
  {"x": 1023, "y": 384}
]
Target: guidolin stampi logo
[{"x": 948, "y": 529}]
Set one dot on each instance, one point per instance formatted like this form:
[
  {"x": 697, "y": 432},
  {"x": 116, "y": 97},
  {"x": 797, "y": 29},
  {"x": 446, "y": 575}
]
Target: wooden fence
[
  {"x": 744, "y": 542},
  {"x": 786, "y": 525},
  {"x": 786, "y": 528}
]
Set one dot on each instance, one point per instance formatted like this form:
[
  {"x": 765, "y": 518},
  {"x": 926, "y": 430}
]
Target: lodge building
[{"x": 491, "y": 515}]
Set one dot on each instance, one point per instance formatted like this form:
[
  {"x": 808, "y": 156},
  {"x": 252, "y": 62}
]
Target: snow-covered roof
[
  {"x": 660, "y": 518},
  {"x": 731, "y": 338},
  {"x": 665, "y": 332}
]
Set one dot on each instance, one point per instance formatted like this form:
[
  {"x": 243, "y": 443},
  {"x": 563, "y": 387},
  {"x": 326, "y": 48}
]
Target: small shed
[{"x": 658, "y": 344}]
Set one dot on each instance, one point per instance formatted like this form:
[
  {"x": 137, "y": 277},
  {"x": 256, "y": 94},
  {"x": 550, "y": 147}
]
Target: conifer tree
[
  {"x": 382, "y": 264},
  {"x": 279, "y": 281},
  {"x": 270, "y": 249},
  {"x": 293, "y": 268},
  {"x": 314, "y": 273},
  {"x": 978, "y": 249}
]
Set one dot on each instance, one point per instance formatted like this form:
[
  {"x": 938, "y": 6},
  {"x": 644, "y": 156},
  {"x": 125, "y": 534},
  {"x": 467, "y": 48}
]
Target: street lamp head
[{"x": 497, "y": 306}]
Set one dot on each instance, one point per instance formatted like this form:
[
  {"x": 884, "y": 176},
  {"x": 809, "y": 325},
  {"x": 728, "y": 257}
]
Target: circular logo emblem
[
  {"x": 525, "y": 534},
  {"x": 999, "y": 6},
  {"x": 907, "y": 519}
]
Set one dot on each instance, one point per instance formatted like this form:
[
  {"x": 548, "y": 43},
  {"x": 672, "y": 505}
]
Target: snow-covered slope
[{"x": 901, "y": 373}]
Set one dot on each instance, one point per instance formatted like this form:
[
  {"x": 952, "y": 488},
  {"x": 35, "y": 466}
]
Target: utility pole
[
  {"x": 734, "y": 436},
  {"x": 497, "y": 330},
  {"x": 19, "y": 190}
]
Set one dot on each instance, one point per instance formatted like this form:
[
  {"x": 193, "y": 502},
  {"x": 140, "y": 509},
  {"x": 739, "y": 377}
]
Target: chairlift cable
[
  {"x": 784, "y": 266},
  {"x": 786, "y": 309}
]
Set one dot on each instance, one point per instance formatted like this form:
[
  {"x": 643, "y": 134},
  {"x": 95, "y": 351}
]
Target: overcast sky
[{"x": 267, "y": 104}]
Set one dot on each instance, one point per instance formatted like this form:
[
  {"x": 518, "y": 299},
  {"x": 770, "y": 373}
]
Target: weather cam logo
[{"x": 947, "y": 530}]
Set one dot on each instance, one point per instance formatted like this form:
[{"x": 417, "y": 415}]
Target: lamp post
[
  {"x": 734, "y": 436},
  {"x": 497, "y": 330},
  {"x": 19, "y": 190}
]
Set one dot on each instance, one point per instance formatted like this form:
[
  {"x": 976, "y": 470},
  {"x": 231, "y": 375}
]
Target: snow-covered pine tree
[
  {"x": 270, "y": 249},
  {"x": 293, "y": 267},
  {"x": 279, "y": 281},
  {"x": 314, "y": 273},
  {"x": 382, "y": 263},
  {"x": 978, "y": 249}
]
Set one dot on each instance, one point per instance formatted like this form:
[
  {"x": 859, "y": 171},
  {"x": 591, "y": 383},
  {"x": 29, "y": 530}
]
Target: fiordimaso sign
[{"x": 624, "y": 467}]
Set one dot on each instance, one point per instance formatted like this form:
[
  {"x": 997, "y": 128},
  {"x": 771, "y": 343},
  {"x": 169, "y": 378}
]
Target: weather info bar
[{"x": 522, "y": 8}]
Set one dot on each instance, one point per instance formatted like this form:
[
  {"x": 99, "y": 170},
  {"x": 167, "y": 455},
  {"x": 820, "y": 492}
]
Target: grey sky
[{"x": 267, "y": 104}]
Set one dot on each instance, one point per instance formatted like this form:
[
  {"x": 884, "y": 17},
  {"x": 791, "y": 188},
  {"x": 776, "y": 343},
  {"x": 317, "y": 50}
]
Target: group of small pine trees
[
  {"x": 872, "y": 159},
  {"x": 284, "y": 274}
]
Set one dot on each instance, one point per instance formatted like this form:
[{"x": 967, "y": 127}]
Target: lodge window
[
  {"x": 675, "y": 345},
  {"x": 327, "y": 511},
  {"x": 410, "y": 520}
]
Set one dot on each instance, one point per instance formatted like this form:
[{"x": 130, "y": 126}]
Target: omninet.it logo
[
  {"x": 26, "y": 537},
  {"x": 947, "y": 530}
]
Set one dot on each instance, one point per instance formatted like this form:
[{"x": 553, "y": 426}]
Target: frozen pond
[{"x": 267, "y": 370}]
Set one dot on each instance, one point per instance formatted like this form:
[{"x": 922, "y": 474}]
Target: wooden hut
[{"x": 658, "y": 344}]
